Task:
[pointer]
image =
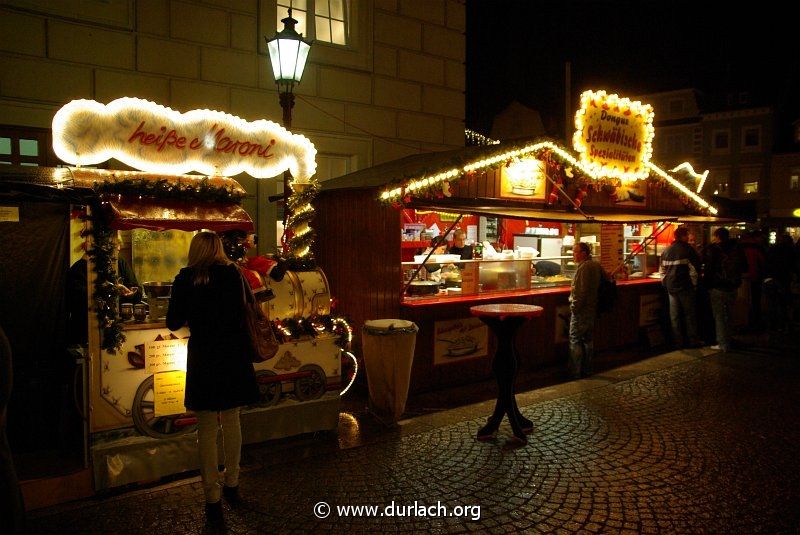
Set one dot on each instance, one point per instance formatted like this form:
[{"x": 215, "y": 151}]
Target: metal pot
[
  {"x": 423, "y": 287},
  {"x": 157, "y": 289}
]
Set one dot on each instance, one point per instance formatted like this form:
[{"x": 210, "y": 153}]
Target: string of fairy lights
[{"x": 426, "y": 182}]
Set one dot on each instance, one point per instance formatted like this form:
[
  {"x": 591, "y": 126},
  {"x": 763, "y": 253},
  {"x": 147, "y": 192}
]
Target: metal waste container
[{"x": 388, "y": 347}]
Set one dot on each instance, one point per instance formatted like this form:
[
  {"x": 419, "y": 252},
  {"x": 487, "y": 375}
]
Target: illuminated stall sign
[
  {"x": 157, "y": 139},
  {"x": 523, "y": 178},
  {"x": 613, "y": 136}
]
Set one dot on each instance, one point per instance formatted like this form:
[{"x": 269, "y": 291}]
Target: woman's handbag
[{"x": 262, "y": 337}]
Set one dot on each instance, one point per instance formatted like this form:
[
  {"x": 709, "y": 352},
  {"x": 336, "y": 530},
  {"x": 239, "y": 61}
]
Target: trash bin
[{"x": 388, "y": 347}]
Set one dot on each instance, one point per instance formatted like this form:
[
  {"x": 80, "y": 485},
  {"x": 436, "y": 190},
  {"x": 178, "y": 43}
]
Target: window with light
[
  {"x": 750, "y": 188},
  {"x": 794, "y": 180},
  {"x": 321, "y": 20}
]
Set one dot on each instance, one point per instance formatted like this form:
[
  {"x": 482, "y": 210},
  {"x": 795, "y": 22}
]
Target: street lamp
[{"x": 288, "y": 52}]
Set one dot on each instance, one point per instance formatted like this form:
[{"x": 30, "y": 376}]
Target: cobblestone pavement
[{"x": 688, "y": 442}]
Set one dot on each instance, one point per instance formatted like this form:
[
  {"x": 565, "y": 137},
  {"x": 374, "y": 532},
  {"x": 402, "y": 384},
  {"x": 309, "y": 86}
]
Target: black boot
[
  {"x": 214, "y": 513},
  {"x": 232, "y": 496}
]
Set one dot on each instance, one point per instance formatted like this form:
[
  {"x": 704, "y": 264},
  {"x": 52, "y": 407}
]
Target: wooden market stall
[{"x": 628, "y": 219}]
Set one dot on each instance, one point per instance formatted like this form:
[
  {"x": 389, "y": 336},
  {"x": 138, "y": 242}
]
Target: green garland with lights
[
  {"x": 298, "y": 226},
  {"x": 565, "y": 172},
  {"x": 171, "y": 189},
  {"x": 289, "y": 329},
  {"x": 106, "y": 294}
]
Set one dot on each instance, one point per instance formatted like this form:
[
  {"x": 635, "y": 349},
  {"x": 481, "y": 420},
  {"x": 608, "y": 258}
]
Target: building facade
[{"x": 384, "y": 78}]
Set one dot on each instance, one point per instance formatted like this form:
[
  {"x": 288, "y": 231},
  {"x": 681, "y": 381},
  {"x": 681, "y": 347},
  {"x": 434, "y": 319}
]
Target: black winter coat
[{"x": 219, "y": 374}]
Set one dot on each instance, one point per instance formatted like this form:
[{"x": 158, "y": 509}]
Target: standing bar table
[{"x": 504, "y": 319}]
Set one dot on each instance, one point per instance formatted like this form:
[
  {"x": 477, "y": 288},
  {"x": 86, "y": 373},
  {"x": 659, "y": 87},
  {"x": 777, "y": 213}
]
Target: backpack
[
  {"x": 606, "y": 292},
  {"x": 729, "y": 274}
]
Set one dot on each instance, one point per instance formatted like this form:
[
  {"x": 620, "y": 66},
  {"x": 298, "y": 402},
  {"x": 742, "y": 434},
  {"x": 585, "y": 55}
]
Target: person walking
[
  {"x": 583, "y": 309},
  {"x": 680, "y": 267},
  {"x": 723, "y": 265},
  {"x": 207, "y": 296}
]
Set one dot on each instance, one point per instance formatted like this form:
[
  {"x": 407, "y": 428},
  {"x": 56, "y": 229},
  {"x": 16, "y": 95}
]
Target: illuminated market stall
[
  {"x": 523, "y": 205},
  {"x": 131, "y": 398}
]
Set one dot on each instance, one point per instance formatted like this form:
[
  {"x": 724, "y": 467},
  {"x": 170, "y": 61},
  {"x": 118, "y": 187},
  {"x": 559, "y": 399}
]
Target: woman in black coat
[{"x": 207, "y": 295}]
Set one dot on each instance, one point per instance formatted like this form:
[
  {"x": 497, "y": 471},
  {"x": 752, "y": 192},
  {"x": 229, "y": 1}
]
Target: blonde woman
[{"x": 207, "y": 296}]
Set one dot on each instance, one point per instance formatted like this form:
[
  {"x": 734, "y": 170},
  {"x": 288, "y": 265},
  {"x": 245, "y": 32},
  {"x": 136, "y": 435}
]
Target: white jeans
[{"x": 208, "y": 424}]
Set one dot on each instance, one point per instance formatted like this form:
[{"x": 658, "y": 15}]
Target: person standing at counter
[
  {"x": 583, "y": 308},
  {"x": 207, "y": 295},
  {"x": 76, "y": 285},
  {"x": 459, "y": 246},
  {"x": 680, "y": 265}
]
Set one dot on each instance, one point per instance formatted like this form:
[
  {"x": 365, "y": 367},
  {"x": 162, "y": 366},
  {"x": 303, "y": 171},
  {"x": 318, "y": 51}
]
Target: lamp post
[{"x": 288, "y": 52}]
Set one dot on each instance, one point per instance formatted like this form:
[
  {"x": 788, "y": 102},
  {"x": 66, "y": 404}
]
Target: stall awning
[
  {"x": 558, "y": 216},
  {"x": 159, "y": 214}
]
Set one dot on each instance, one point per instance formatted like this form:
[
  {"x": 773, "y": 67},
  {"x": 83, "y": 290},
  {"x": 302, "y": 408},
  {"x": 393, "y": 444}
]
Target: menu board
[
  {"x": 611, "y": 247},
  {"x": 469, "y": 279},
  {"x": 165, "y": 355},
  {"x": 168, "y": 390}
]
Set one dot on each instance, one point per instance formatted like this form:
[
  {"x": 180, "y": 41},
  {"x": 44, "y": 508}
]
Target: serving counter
[{"x": 445, "y": 323}]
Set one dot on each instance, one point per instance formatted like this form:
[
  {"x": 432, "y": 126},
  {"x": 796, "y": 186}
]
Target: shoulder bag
[{"x": 263, "y": 343}]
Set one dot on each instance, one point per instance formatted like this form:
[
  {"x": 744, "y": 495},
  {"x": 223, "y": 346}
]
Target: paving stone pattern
[{"x": 704, "y": 446}]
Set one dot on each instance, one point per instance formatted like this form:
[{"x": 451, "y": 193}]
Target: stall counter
[{"x": 639, "y": 301}]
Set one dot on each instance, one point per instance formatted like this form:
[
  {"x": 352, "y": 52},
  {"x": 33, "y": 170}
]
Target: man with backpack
[
  {"x": 724, "y": 264},
  {"x": 680, "y": 266}
]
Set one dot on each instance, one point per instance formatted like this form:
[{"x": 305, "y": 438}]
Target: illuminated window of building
[
  {"x": 794, "y": 179},
  {"x": 329, "y": 17},
  {"x": 5, "y": 150},
  {"x": 721, "y": 141},
  {"x": 720, "y": 177},
  {"x": 751, "y": 138},
  {"x": 750, "y": 187},
  {"x": 27, "y": 147}
]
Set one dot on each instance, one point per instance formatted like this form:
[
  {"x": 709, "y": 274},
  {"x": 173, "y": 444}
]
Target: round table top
[{"x": 505, "y": 310}]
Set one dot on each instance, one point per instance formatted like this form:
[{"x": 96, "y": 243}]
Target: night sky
[{"x": 516, "y": 50}]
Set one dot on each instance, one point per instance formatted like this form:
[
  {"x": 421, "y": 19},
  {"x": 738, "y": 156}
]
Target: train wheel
[
  {"x": 147, "y": 423},
  {"x": 310, "y": 387},
  {"x": 268, "y": 393}
]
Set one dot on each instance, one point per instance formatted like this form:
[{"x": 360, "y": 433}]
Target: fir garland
[
  {"x": 560, "y": 169},
  {"x": 298, "y": 225},
  {"x": 195, "y": 190},
  {"x": 289, "y": 329},
  {"x": 106, "y": 294}
]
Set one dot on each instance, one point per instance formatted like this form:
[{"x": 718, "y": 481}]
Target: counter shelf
[{"x": 434, "y": 300}]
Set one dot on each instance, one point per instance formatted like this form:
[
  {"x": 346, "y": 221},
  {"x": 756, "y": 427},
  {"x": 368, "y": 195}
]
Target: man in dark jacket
[
  {"x": 680, "y": 266},
  {"x": 723, "y": 265}
]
